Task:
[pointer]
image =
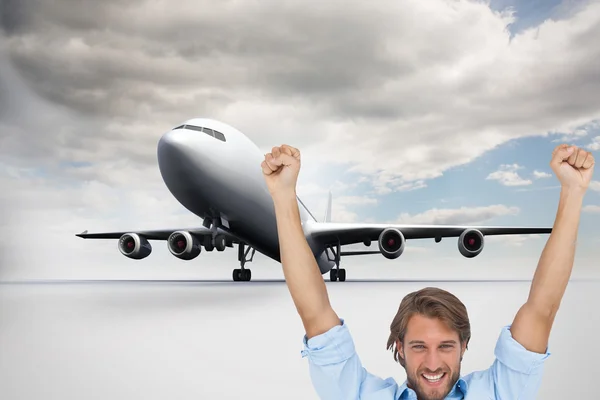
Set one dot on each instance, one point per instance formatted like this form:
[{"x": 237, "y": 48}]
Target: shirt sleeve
[
  {"x": 336, "y": 370},
  {"x": 516, "y": 372}
]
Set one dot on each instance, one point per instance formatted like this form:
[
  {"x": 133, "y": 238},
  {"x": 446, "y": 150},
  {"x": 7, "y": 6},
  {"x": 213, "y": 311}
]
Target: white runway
[{"x": 226, "y": 340}]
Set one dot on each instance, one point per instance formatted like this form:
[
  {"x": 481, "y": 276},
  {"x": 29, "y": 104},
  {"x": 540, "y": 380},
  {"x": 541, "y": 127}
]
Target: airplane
[{"x": 214, "y": 171}]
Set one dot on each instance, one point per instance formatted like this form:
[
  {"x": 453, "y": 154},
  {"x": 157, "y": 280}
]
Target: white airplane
[{"x": 214, "y": 171}]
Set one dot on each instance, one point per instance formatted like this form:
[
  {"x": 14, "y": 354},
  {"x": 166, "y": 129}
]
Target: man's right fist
[{"x": 280, "y": 168}]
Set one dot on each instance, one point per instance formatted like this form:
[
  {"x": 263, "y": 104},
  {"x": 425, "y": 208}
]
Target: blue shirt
[{"x": 338, "y": 374}]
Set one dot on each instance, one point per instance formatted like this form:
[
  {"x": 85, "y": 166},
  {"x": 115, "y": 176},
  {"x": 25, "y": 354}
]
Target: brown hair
[{"x": 433, "y": 303}]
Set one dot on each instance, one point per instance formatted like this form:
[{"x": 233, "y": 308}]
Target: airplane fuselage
[{"x": 219, "y": 178}]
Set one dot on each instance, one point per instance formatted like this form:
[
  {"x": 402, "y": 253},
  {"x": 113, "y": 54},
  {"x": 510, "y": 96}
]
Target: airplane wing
[
  {"x": 162, "y": 234},
  {"x": 184, "y": 245},
  {"x": 330, "y": 234},
  {"x": 359, "y": 253}
]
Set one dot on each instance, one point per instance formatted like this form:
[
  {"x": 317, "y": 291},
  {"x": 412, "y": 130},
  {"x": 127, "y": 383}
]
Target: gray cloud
[
  {"x": 447, "y": 86},
  {"x": 5, "y": 224},
  {"x": 93, "y": 55}
]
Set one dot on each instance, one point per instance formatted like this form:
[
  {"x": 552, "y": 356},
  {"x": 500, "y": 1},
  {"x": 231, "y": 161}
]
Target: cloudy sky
[{"x": 414, "y": 112}]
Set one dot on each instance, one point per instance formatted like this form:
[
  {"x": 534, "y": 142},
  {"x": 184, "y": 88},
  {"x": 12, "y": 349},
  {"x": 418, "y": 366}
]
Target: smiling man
[
  {"x": 429, "y": 337},
  {"x": 431, "y": 330}
]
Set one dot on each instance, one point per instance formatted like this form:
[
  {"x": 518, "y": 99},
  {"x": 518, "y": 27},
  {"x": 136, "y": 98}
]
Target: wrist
[
  {"x": 284, "y": 197},
  {"x": 570, "y": 202},
  {"x": 286, "y": 209},
  {"x": 572, "y": 193}
]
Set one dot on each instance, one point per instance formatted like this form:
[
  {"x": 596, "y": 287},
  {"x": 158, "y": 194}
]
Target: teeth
[{"x": 433, "y": 378}]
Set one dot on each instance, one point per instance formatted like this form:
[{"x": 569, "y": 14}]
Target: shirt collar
[{"x": 461, "y": 385}]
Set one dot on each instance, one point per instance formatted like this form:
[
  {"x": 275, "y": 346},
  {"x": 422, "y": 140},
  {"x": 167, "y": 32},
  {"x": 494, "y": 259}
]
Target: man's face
[{"x": 432, "y": 353}]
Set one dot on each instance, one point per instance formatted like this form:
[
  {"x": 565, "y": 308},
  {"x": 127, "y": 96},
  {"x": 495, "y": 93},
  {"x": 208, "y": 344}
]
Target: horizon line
[{"x": 369, "y": 280}]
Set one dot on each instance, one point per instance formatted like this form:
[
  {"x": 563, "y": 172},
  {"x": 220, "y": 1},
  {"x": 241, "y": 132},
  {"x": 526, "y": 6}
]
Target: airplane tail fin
[{"x": 328, "y": 212}]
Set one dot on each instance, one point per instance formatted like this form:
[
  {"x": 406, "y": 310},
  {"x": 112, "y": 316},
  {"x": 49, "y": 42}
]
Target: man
[{"x": 431, "y": 331}]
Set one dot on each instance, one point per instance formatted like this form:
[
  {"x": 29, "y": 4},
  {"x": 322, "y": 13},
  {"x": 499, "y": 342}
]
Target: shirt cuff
[
  {"x": 334, "y": 346},
  {"x": 516, "y": 357}
]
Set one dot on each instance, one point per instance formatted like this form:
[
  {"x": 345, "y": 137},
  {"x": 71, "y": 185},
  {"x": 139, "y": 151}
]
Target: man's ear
[{"x": 400, "y": 348}]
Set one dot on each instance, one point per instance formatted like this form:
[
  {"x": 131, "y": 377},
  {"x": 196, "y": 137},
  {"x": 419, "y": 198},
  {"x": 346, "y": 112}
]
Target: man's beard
[{"x": 426, "y": 393}]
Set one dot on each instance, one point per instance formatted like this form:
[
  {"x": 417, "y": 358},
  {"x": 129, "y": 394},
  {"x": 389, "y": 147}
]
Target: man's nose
[{"x": 432, "y": 361}]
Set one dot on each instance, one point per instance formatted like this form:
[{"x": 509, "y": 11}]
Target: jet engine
[
  {"x": 391, "y": 243},
  {"x": 184, "y": 245},
  {"x": 134, "y": 246},
  {"x": 470, "y": 243}
]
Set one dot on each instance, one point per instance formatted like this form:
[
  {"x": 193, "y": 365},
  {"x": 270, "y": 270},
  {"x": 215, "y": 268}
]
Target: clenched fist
[
  {"x": 573, "y": 166},
  {"x": 280, "y": 168}
]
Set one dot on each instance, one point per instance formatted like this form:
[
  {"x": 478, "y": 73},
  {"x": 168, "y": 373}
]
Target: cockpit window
[
  {"x": 210, "y": 132},
  {"x": 194, "y": 128},
  {"x": 219, "y": 136}
]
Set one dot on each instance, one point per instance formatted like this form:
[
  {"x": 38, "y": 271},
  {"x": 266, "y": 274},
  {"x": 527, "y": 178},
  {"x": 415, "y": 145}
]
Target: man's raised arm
[
  {"x": 302, "y": 274},
  {"x": 533, "y": 323}
]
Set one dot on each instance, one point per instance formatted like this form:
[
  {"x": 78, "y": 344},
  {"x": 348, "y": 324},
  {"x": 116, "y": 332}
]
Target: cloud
[
  {"x": 537, "y": 189},
  {"x": 540, "y": 174},
  {"x": 514, "y": 240},
  {"x": 507, "y": 175},
  {"x": 385, "y": 182},
  {"x": 576, "y": 134},
  {"x": 593, "y": 209},
  {"x": 595, "y": 144},
  {"x": 357, "y": 200},
  {"x": 341, "y": 207},
  {"x": 458, "y": 216},
  {"x": 417, "y": 110},
  {"x": 595, "y": 186},
  {"x": 6, "y": 221}
]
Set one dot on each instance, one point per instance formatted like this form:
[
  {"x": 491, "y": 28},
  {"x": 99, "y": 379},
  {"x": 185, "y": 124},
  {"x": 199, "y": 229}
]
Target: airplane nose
[
  {"x": 185, "y": 161},
  {"x": 174, "y": 151},
  {"x": 175, "y": 147},
  {"x": 170, "y": 143}
]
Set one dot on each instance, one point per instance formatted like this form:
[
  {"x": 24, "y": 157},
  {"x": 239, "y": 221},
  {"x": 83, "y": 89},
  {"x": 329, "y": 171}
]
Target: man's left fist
[{"x": 573, "y": 166}]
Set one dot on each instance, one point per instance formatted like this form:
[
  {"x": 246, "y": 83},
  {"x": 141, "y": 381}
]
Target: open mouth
[{"x": 434, "y": 380}]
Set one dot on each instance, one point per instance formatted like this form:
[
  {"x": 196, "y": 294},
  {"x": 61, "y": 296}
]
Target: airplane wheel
[
  {"x": 342, "y": 275},
  {"x": 242, "y": 275},
  {"x": 220, "y": 242},
  {"x": 209, "y": 247},
  {"x": 333, "y": 275}
]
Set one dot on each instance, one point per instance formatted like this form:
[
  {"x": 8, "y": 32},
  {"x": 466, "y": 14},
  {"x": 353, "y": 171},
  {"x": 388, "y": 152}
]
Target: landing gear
[
  {"x": 336, "y": 273},
  {"x": 243, "y": 274},
  {"x": 216, "y": 240},
  {"x": 220, "y": 242}
]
